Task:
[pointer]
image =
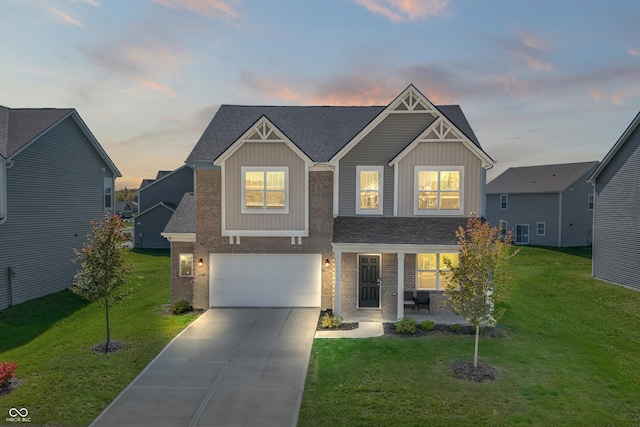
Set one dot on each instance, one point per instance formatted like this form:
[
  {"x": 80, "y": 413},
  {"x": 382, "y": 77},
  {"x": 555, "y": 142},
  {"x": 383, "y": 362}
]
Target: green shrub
[
  {"x": 428, "y": 325},
  {"x": 180, "y": 307},
  {"x": 406, "y": 326},
  {"x": 329, "y": 321},
  {"x": 455, "y": 328}
]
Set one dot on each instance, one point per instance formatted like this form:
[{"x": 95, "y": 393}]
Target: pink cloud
[
  {"x": 66, "y": 18},
  {"x": 213, "y": 8},
  {"x": 397, "y": 10},
  {"x": 634, "y": 52}
]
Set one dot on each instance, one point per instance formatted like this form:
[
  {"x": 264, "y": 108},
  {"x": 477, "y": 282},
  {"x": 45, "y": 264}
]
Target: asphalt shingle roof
[
  {"x": 183, "y": 219},
  {"x": 18, "y": 126},
  {"x": 320, "y": 132},
  {"x": 539, "y": 179},
  {"x": 397, "y": 230}
]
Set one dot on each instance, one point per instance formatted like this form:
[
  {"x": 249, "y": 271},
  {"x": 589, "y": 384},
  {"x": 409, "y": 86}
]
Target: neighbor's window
[
  {"x": 503, "y": 228},
  {"x": 186, "y": 265},
  {"x": 504, "y": 202},
  {"x": 522, "y": 234},
  {"x": 438, "y": 190},
  {"x": 3, "y": 194},
  {"x": 265, "y": 190},
  {"x": 369, "y": 189},
  {"x": 540, "y": 231},
  {"x": 108, "y": 193},
  {"x": 590, "y": 202},
  {"x": 430, "y": 265}
]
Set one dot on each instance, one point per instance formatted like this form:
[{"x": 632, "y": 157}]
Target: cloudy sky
[{"x": 541, "y": 81}]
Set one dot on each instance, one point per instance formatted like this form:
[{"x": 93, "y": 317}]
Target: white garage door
[{"x": 265, "y": 280}]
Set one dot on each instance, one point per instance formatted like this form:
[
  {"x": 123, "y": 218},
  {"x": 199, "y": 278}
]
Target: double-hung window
[
  {"x": 186, "y": 265},
  {"x": 108, "y": 193},
  {"x": 590, "y": 202},
  {"x": 540, "y": 229},
  {"x": 369, "y": 185},
  {"x": 504, "y": 202},
  {"x": 430, "y": 267},
  {"x": 438, "y": 190},
  {"x": 265, "y": 189}
]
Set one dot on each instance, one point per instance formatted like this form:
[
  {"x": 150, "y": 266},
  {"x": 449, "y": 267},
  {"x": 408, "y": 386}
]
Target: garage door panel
[{"x": 265, "y": 280}]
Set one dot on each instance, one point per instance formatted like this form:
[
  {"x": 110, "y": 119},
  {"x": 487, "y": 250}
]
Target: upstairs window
[
  {"x": 108, "y": 193},
  {"x": 590, "y": 202},
  {"x": 438, "y": 191},
  {"x": 369, "y": 181},
  {"x": 265, "y": 190},
  {"x": 504, "y": 202}
]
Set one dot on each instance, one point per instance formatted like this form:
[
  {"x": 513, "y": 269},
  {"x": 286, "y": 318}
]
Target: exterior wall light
[
  {"x": 327, "y": 263},
  {"x": 200, "y": 263}
]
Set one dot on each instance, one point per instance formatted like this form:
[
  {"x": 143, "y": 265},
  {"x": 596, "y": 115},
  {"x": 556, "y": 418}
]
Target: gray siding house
[
  {"x": 157, "y": 201},
  {"x": 55, "y": 179},
  {"x": 342, "y": 208},
  {"x": 616, "y": 219},
  {"x": 550, "y": 205}
]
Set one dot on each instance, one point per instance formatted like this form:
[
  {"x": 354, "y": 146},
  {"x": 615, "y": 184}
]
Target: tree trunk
[
  {"x": 475, "y": 352},
  {"x": 106, "y": 311}
]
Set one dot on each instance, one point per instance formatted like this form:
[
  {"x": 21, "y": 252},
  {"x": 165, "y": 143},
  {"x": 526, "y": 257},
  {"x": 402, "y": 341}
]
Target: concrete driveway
[{"x": 231, "y": 367}]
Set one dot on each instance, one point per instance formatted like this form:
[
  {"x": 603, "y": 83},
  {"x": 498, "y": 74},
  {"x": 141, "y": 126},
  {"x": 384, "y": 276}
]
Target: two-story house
[
  {"x": 331, "y": 207},
  {"x": 545, "y": 205},
  {"x": 157, "y": 201},
  {"x": 55, "y": 179}
]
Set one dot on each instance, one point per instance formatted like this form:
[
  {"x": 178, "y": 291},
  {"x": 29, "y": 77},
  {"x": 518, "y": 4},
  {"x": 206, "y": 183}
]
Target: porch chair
[
  {"x": 422, "y": 301},
  {"x": 410, "y": 301}
]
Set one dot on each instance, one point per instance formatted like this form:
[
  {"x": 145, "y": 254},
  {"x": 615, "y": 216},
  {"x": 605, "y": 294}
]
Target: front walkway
[{"x": 230, "y": 367}]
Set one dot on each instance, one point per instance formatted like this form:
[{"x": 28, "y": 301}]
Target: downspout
[{"x": 560, "y": 219}]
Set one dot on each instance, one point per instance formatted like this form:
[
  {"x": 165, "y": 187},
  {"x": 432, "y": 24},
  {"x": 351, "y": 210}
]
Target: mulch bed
[
  {"x": 491, "y": 332},
  {"x": 342, "y": 327},
  {"x": 482, "y": 373},
  {"x": 114, "y": 345},
  {"x": 13, "y": 384}
]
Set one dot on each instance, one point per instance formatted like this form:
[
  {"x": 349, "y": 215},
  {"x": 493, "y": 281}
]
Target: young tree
[
  {"x": 480, "y": 279},
  {"x": 103, "y": 268}
]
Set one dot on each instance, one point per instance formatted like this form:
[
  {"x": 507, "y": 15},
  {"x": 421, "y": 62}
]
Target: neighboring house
[
  {"x": 550, "y": 205},
  {"x": 332, "y": 207},
  {"x": 55, "y": 179},
  {"x": 616, "y": 218},
  {"x": 157, "y": 200},
  {"x": 124, "y": 209}
]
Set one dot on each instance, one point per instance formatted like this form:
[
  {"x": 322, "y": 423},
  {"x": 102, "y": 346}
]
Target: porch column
[
  {"x": 338, "y": 269},
  {"x": 400, "y": 314}
]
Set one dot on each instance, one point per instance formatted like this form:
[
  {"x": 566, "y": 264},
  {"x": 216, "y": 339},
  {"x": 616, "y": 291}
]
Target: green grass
[
  {"x": 63, "y": 382},
  {"x": 570, "y": 359}
]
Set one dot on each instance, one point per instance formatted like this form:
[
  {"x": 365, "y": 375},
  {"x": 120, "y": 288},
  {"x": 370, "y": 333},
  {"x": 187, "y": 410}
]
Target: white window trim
[
  {"x": 505, "y": 228},
  {"x": 380, "y": 170},
  {"x": 590, "y": 202},
  {"x": 109, "y": 180},
  {"x": 544, "y": 229},
  {"x": 264, "y": 210},
  {"x": 506, "y": 202},
  {"x": 180, "y": 265},
  {"x": 434, "y": 212},
  {"x": 439, "y": 283}
]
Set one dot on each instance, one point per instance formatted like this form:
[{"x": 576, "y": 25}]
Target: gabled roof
[
  {"x": 20, "y": 127},
  {"x": 159, "y": 177},
  {"x": 318, "y": 131},
  {"x": 616, "y": 147},
  {"x": 145, "y": 182},
  {"x": 164, "y": 205},
  {"x": 539, "y": 179}
]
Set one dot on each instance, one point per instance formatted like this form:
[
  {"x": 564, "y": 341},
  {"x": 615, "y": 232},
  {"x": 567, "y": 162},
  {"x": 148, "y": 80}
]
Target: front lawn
[
  {"x": 62, "y": 381},
  {"x": 571, "y": 358}
]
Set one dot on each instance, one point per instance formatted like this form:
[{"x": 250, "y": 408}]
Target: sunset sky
[{"x": 540, "y": 81}]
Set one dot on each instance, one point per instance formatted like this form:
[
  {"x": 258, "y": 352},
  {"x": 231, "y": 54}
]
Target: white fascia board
[
  {"x": 240, "y": 142},
  {"x": 391, "y": 248},
  {"x": 266, "y": 233},
  {"x": 180, "y": 237}
]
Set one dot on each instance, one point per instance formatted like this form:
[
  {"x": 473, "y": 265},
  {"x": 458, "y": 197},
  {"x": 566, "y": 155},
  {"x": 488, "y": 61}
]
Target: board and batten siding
[
  {"x": 378, "y": 148},
  {"x": 440, "y": 154},
  {"x": 54, "y": 191},
  {"x": 276, "y": 154},
  {"x": 616, "y": 244}
]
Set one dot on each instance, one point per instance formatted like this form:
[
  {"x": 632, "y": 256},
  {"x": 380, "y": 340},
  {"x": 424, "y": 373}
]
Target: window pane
[
  {"x": 254, "y": 199},
  {"x": 369, "y": 200},
  {"x": 427, "y": 200},
  {"x": 369, "y": 180},
  {"x": 427, "y": 262},
  {"x": 450, "y": 180},
  {"x": 186, "y": 264},
  {"x": 275, "y": 180},
  {"x": 254, "y": 180},
  {"x": 426, "y": 280},
  {"x": 453, "y": 257},
  {"x": 427, "y": 180},
  {"x": 449, "y": 200},
  {"x": 275, "y": 199}
]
